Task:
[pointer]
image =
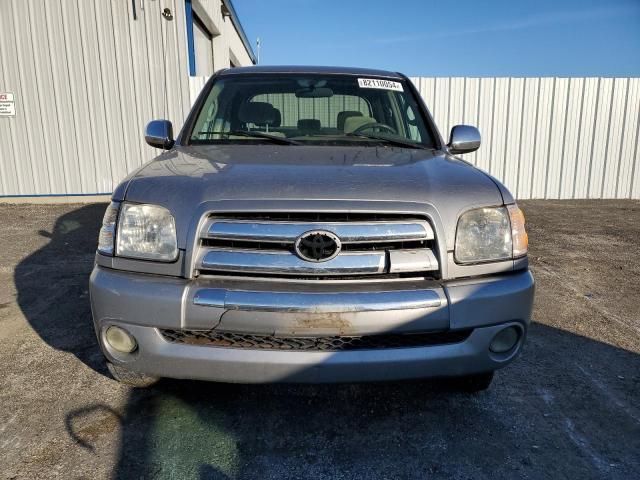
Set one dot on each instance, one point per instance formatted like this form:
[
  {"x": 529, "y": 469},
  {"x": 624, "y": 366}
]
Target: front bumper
[{"x": 143, "y": 304}]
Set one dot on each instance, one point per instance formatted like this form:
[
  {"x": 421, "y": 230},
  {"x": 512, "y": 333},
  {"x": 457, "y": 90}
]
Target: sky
[{"x": 561, "y": 38}]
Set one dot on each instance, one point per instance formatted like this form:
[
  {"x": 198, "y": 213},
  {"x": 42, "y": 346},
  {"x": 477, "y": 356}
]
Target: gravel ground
[{"x": 569, "y": 407}]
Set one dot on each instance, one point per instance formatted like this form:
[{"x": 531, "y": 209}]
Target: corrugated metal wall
[
  {"x": 547, "y": 137},
  {"x": 195, "y": 87},
  {"x": 87, "y": 78}
]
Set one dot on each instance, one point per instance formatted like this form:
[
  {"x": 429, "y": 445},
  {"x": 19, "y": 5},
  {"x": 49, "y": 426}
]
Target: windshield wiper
[
  {"x": 391, "y": 141},
  {"x": 245, "y": 133}
]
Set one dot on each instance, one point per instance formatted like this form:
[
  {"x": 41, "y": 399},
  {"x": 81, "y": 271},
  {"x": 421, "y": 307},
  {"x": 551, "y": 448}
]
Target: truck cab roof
[{"x": 310, "y": 69}]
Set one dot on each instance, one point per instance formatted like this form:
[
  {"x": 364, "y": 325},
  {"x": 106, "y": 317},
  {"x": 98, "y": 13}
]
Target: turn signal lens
[
  {"x": 106, "y": 238},
  {"x": 519, "y": 235}
]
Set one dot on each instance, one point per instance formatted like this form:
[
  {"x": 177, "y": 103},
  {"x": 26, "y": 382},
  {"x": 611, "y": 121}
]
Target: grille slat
[
  {"x": 321, "y": 344},
  {"x": 287, "y": 232},
  {"x": 286, "y": 263}
]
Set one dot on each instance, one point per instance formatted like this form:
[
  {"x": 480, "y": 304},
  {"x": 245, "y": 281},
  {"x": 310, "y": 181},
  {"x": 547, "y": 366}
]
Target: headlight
[
  {"x": 106, "y": 238},
  {"x": 490, "y": 234},
  {"x": 147, "y": 232}
]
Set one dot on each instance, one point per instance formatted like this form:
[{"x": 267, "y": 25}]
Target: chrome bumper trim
[{"x": 351, "y": 302}]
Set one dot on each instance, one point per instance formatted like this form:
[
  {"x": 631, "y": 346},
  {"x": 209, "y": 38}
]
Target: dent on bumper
[{"x": 142, "y": 304}]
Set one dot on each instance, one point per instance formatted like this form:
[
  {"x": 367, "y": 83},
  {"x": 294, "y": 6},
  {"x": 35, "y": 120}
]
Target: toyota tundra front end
[{"x": 310, "y": 225}]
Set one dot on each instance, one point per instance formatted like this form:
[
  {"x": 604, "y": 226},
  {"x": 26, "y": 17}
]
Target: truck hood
[{"x": 256, "y": 177}]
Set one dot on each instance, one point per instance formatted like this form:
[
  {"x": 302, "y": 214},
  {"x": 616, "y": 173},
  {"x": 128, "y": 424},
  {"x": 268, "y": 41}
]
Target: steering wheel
[{"x": 368, "y": 126}]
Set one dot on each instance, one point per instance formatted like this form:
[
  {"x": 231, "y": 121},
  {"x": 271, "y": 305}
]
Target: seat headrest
[
  {"x": 353, "y": 123},
  {"x": 278, "y": 119},
  {"x": 258, "y": 113},
  {"x": 342, "y": 116},
  {"x": 308, "y": 124}
]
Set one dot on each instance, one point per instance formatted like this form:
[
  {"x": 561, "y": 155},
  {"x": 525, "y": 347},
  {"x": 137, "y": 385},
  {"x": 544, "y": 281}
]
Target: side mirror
[
  {"x": 159, "y": 134},
  {"x": 464, "y": 139}
]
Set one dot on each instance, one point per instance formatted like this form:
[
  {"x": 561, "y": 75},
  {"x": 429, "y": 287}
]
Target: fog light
[
  {"x": 120, "y": 340},
  {"x": 505, "y": 340}
]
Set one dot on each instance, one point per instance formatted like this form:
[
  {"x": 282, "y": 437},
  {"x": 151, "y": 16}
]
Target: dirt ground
[{"x": 569, "y": 407}]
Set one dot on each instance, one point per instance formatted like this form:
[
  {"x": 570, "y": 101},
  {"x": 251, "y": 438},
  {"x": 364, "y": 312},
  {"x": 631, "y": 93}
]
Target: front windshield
[{"x": 311, "y": 109}]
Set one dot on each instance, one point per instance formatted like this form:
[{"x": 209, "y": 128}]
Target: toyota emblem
[{"x": 317, "y": 246}]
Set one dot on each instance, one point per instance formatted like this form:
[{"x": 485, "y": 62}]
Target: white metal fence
[{"x": 547, "y": 137}]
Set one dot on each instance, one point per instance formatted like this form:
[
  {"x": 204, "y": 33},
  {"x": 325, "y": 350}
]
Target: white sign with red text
[{"x": 7, "y": 105}]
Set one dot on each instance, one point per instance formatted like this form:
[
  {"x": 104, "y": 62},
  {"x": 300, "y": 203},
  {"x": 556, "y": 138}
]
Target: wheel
[
  {"x": 129, "y": 377},
  {"x": 474, "y": 383}
]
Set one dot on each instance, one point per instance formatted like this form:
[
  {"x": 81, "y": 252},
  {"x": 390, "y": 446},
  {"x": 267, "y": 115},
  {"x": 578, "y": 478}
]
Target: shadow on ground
[
  {"x": 53, "y": 285},
  {"x": 567, "y": 409}
]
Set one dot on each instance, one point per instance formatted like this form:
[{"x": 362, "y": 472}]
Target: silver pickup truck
[{"x": 309, "y": 224}]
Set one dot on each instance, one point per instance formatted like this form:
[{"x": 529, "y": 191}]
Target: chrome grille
[{"x": 263, "y": 245}]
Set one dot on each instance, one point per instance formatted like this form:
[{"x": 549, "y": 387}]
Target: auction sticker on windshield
[{"x": 382, "y": 84}]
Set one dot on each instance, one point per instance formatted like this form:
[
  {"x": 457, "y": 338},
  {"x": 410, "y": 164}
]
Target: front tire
[
  {"x": 131, "y": 378},
  {"x": 474, "y": 383}
]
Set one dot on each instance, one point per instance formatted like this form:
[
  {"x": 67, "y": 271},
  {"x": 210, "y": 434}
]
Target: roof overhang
[{"x": 238, "y": 26}]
